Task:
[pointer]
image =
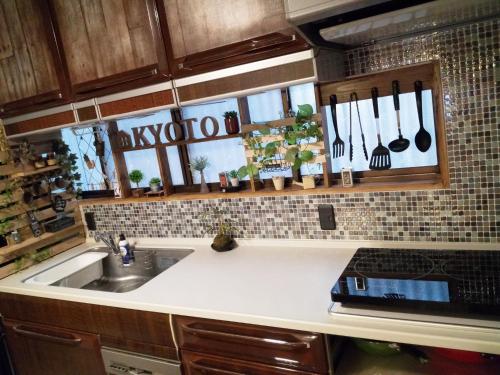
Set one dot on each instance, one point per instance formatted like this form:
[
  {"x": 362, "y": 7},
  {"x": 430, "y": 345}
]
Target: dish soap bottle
[{"x": 125, "y": 248}]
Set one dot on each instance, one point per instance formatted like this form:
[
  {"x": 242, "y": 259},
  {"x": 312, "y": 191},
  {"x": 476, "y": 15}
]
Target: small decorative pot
[
  {"x": 223, "y": 242},
  {"x": 309, "y": 182},
  {"x": 51, "y": 162},
  {"x": 155, "y": 188},
  {"x": 234, "y": 181},
  {"x": 232, "y": 125},
  {"x": 279, "y": 182}
]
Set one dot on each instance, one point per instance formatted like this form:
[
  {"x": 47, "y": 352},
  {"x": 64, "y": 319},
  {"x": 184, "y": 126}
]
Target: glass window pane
[
  {"x": 265, "y": 106},
  {"x": 302, "y": 94},
  {"x": 223, "y": 155},
  {"x": 411, "y": 157},
  {"x": 147, "y": 161},
  {"x": 96, "y": 170}
]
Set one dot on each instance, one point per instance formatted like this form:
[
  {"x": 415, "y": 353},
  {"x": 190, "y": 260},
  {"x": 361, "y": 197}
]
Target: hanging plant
[{"x": 289, "y": 149}]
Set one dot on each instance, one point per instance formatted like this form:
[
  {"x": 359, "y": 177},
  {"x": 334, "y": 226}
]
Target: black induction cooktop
[{"x": 451, "y": 282}]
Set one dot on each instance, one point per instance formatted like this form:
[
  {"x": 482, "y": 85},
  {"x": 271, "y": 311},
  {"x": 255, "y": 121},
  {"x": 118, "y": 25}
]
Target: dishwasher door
[{"x": 120, "y": 362}]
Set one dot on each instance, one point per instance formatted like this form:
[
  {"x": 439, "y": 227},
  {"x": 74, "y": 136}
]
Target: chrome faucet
[{"x": 107, "y": 238}]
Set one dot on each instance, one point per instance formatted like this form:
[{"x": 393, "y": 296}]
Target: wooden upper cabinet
[
  {"x": 31, "y": 74},
  {"x": 207, "y": 35},
  {"x": 110, "y": 45}
]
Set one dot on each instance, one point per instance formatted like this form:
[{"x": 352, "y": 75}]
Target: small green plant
[
  {"x": 293, "y": 141},
  {"x": 136, "y": 176},
  {"x": 41, "y": 255},
  {"x": 217, "y": 223},
  {"x": 230, "y": 114},
  {"x": 154, "y": 181},
  {"x": 199, "y": 164},
  {"x": 233, "y": 174},
  {"x": 5, "y": 226}
]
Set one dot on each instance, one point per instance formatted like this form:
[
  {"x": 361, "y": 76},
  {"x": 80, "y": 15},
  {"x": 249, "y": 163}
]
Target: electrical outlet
[{"x": 326, "y": 217}]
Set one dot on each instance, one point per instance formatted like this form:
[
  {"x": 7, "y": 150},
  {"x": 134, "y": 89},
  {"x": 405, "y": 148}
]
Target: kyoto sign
[{"x": 168, "y": 134}]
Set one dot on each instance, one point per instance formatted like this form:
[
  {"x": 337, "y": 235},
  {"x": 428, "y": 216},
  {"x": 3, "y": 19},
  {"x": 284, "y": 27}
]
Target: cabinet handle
[
  {"x": 197, "y": 366},
  {"x": 25, "y": 331},
  {"x": 244, "y": 339}
]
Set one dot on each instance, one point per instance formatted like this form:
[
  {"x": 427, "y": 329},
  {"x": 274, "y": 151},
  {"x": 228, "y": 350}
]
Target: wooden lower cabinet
[
  {"x": 276, "y": 350},
  {"x": 41, "y": 350},
  {"x": 205, "y": 364}
]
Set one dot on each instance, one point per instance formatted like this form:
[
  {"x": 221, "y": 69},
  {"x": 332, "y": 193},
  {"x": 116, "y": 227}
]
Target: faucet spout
[{"x": 107, "y": 238}]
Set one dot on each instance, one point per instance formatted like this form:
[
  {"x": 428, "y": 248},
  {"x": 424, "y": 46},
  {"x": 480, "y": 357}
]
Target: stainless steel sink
[{"x": 112, "y": 276}]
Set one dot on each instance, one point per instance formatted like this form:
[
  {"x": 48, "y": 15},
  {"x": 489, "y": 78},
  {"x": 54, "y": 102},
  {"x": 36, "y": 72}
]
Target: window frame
[{"x": 397, "y": 179}]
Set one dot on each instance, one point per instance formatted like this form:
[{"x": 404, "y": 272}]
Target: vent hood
[{"x": 351, "y": 23}]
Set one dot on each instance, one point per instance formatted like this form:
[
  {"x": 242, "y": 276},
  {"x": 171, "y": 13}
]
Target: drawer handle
[
  {"x": 195, "y": 365},
  {"x": 217, "y": 335},
  {"x": 25, "y": 331}
]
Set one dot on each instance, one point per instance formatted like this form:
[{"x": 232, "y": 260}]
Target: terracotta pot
[
  {"x": 232, "y": 125},
  {"x": 279, "y": 182}
]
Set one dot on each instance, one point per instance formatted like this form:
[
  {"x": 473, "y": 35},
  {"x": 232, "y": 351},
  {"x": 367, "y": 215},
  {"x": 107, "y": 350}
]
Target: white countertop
[{"x": 280, "y": 283}]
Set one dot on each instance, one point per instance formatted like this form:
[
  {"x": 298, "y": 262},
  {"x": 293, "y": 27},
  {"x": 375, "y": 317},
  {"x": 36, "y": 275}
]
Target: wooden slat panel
[
  {"x": 200, "y": 25},
  {"x": 363, "y": 84},
  {"x": 12, "y": 252},
  {"x": 41, "y": 59},
  {"x": 263, "y": 77},
  {"x": 72, "y": 25},
  {"x": 45, "y": 122},
  {"x": 152, "y": 100},
  {"x": 103, "y": 38},
  {"x": 5, "y": 44}
]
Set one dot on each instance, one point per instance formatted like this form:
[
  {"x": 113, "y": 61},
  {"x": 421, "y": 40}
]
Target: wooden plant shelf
[
  {"x": 36, "y": 171},
  {"x": 11, "y": 252}
]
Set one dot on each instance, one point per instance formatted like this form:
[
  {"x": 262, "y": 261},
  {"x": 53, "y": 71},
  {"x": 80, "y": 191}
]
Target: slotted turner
[
  {"x": 381, "y": 157},
  {"x": 338, "y": 144}
]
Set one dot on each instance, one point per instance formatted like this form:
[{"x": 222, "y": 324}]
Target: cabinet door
[
  {"x": 212, "y": 34},
  {"x": 203, "y": 364},
  {"x": 40, "y": 350},
  {"x": 273, "y": 346},
  {"x": 31, "y": 73},
  {"x": 110, "y": 45}
]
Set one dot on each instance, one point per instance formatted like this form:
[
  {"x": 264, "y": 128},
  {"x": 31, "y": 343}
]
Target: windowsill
[{"x": 270, "y": 192}]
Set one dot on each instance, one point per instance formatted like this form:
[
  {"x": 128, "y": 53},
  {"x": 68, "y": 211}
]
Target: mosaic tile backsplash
[{"x": 467, "y": 211}]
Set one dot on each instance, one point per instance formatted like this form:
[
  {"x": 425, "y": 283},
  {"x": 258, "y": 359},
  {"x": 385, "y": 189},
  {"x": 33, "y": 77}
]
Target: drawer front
[
  {"x": 204, "y": 364},
  {"x": 274, "y": 346}
]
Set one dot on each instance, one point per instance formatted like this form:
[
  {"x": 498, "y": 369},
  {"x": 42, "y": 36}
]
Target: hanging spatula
[
  {"x": 381, "y": 157},
  {"x": 338, "y": 144}
]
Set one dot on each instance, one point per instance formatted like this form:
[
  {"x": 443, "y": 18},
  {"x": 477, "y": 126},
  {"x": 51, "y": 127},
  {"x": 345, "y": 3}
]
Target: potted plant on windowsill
[
  {"x": 199, "y": 164},
  {"x": 231, "y": 122},
  {"x": 233, "y": 178},
  {"x": 222, "y": 227},
  {"x": 154, "y": 184},
  {"x": 136, "y": 176}
]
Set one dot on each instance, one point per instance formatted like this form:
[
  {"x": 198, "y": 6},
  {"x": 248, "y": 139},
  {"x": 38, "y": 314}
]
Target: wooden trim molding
[
  {"x": 245, "y": 81},
  {"x": 137, "y": 103},
  {"x": 41, "y": 123}
]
